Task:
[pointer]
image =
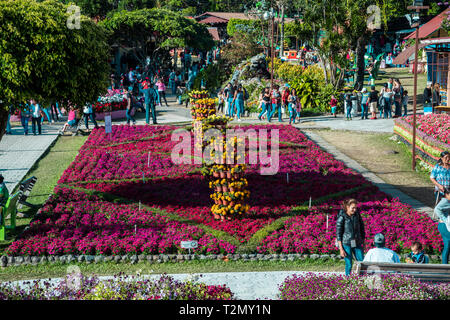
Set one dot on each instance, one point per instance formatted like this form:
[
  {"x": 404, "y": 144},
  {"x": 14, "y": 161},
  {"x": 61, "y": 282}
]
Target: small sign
[
  {"x": 108, "y": 124},
  {"x": 189, "y": 244}
]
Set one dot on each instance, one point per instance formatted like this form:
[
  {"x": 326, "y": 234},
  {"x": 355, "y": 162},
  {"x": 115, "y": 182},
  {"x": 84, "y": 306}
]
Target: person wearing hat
[
  {"x": 440, "y": 175},
  {"x": 350, "y": 234},
  {"x": 442, "y": 210},
  {"x": 364, "y": 104},
  {"x": 380, "y": 253}
]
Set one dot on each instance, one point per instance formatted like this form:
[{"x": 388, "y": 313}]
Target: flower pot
[
  {"x": 228, "y": 175},
  {"x": 216, "y": 174},
  {"x": 222, "y": 175},
  {"x": 224, "y": 188},
  {"x": 232, "y": 189},
  {"x": 225, "y": 202},
  {"x": 218, "y": 188},
  {"x": 232, "y": 203}
]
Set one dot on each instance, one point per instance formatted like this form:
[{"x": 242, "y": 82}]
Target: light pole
[
  {"x": 270, "y": 15},
  {"x": 415, "y": 22}
]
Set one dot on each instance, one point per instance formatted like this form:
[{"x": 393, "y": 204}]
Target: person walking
[
  {"x": 238, "y": 100},
  {"x": 284, "y": 98},
  {"x": 442, "y": 210},
  {"x": 364, "y": 104},
  {"x": 348, "y": 105},
  {"x": 128, "y": 96},
  {"x": 350, "y": 233},
  {"x": 373, "y": 102},
  {"x": 172, "y": 82},
  {"x": 397, "y": 98},
  {"x": 221, "y": 99},
  {"x": 265, "y": 102},
  {"x": 88, "y": 112},
  {"x": 161, "y": 91},
  {"x": 150, "y": 99},
  {"x": 387, "y": 96},
  {"x": 440, "y": 175},
  {"x": 229, "y": 93},
  {"x": 333, "y": 105},
  {"x": 276, "y": 103},
  {"x": 35, "y": 117},
  {"x": 380, "y": 253},
  {"x": 405, "y": 101},
  {"x": 25, "y": 114},
  {"x": 292, "y": 100}
]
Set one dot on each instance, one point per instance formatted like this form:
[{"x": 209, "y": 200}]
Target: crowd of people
[{"x": 392, "y": 98}]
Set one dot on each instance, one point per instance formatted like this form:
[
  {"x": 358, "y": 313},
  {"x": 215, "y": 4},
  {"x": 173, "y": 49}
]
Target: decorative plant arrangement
[{"x": 203, "y": 108}]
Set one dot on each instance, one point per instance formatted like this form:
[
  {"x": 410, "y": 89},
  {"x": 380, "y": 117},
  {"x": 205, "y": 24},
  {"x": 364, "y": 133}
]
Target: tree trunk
[
  {"x": 3, "y": 119},
  {"x": 360, "y": 65}
]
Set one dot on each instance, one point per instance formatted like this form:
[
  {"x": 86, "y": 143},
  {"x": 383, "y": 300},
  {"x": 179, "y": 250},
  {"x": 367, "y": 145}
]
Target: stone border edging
[
  {"x": 6, "y": 261},
  {"x": 14, "y": 261}
]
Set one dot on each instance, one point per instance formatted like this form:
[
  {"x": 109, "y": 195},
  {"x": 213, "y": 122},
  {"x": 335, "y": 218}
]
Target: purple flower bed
[
  {"x": 119, "y": 288},
  {"x": 313, "y": 286}
]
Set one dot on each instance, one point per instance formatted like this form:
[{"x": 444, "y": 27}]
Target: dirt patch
[{"x": 386, "y": 158}]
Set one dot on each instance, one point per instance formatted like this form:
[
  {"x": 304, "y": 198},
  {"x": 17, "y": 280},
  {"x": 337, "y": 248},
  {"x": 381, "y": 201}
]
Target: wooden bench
[
  {"x": 423, "y": 272},
  {"x": 25, "y": 190},
  {"x": 10, "y": 209},
  {"x": 442, "y": 108}
]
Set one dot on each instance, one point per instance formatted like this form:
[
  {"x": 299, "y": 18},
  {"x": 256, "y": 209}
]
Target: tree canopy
[
  {"x": 149, "y": 30},
  {"x": 42, "y": 58}
]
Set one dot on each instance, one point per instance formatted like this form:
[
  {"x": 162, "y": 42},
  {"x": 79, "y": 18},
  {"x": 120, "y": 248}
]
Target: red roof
[
  {"x": 212, "y": 20},
  {"x": 214, "y": 33},
  {"x": 429, "y": 27}
]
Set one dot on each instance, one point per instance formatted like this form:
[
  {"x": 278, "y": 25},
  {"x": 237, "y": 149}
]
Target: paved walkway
[
  {"x": 383, "y": 186},
  {"x": 245, "y": 285},
  {"x": 18, "y": 153}
]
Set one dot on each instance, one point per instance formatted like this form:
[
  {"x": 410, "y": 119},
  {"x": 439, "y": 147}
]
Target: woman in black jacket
[{"x": 350, "y": 233}]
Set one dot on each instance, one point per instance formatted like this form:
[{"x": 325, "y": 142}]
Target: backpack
[{"x": 246, "y": 95}]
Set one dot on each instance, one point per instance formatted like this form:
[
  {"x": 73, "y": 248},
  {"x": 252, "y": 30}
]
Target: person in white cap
[{"x": 380, "y": 253}]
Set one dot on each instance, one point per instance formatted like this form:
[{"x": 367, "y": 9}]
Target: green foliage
[
  {"x": 239, "y": 49},
  {"x": 308, "y": 91},
  {"x": 289, "y": 72},
  {"x": 239, "y": 25},
  {"x": 169, "y": 29},
  {"x": 213, "y": 76},
  {"x": 41, "y": 58}
]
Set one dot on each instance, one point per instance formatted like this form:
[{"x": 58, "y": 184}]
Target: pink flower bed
[
  {"x": 89, "y": 226},
  {"x": 400, "y": 224},
  {"x": 436, "y": 126},
  {"x": 119, "y": 164}
]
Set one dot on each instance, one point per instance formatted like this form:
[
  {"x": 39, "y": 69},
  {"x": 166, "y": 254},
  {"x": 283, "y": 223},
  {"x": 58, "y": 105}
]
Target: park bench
[
  {"x": 423, "y": 272},
  {"x": 25, "y": 188},
  {"x": 10, "y": 209},
  {"x": 442, "y": 108}
]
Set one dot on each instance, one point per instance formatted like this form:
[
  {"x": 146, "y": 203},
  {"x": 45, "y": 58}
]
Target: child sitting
[{"x": 417, "y": 255}]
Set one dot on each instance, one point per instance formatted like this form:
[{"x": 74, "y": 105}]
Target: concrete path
[
  {"x": 18, "y": 153},
  {"x": 383, "y": 186},
  {"x": 245, "y": 285}
]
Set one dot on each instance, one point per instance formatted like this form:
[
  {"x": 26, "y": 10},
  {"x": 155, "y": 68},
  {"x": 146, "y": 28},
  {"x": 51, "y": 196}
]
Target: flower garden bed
[
  {"x": 432, "y": 135},
  {"x": 123, "y": 199},
  {"x": 118, "y": 288},
  {"x": 339, "y": 287}
]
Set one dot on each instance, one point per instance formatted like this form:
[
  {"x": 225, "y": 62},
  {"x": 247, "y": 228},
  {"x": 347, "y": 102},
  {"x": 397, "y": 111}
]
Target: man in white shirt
[
  {"x": 380, "y": 253},
  {"x": 35, "y": 116}
]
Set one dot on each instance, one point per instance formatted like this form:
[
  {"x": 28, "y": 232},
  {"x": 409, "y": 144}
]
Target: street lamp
[
  {"x": 415, "y": 22},
  {"x": 270, "y": 15}
]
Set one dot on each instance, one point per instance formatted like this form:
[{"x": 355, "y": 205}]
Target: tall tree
[{"x": 45, "y": 57}]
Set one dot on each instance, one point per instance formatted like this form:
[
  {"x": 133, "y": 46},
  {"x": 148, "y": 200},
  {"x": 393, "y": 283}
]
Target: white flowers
[{"x": 111, "y": 99}]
